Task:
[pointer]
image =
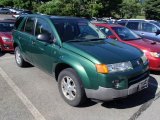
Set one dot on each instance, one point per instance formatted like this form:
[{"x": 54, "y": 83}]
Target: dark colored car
[
  {"x": 6, "y": 41},
  {"x": 22, "y": 12},
  {"x": 149, "y": 29},
  {"x": 5, "y": 11},
  {"x": 123, "y": 34},
  {"x": 83, "y": 61}
]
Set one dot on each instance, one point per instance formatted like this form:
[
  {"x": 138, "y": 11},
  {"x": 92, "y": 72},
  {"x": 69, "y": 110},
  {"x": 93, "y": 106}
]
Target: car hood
[
  {"x": 6, "y": 34},
  {"x": 104, "y": 51},
  {"x": 145, "y": 44}
]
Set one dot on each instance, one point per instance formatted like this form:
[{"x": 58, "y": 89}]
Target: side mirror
[
  {"x": 44, "y": 38},
  {"x": 158, "y": 32},
  {"x": 112, "y": 36}
]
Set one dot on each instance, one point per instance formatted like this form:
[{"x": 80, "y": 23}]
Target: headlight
[
  {"x": 118, "y": 67},
  {"x": 111, "y": 68},
  {"x": 6, "y": 39},
  {"x": 144, "y": 58},
  {"x": 155, "y": 54}
]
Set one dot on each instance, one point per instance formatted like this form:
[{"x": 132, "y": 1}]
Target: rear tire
[
  {"x": 18, "y": 57},
  {"x": 71, "y": 88}
]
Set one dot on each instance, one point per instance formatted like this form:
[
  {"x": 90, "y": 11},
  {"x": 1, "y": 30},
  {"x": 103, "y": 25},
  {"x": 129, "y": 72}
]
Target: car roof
[
  {"x": 108, "y": 25},
  {"x": 54, "y": 17}
]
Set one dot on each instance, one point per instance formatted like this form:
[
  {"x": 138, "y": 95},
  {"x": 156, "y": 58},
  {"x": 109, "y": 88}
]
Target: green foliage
[
  {"x": 152, "y": 9},
  {"x": 130, "y": 9},
  {"x": 85, "y": 8},
  {"x": 6, "y": 2},
  {"x": 25, "y": 4}
]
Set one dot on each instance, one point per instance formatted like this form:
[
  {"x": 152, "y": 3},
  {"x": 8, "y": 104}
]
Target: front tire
[
  {"x": 18, "y": 57},
  {"x": 71, "y": 88}
]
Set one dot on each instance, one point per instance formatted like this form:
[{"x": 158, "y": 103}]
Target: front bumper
[{"x": 106, "y": 94}]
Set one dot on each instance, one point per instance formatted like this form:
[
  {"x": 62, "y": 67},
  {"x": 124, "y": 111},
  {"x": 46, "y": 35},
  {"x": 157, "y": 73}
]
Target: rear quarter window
[
  {"x": 17, "y": 23},
  {"x": 133, "y": 25}
]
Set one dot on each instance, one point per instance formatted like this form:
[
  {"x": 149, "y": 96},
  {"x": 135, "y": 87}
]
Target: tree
[
  {"x": 89, "y": 8},
  {"x": 25, "y": 4},
  {"x": 110, "y": 7},
  {"x": 152, "y": 9},
  {"x": 6, "y": 2},
  {"x": 130, "y": 8}
]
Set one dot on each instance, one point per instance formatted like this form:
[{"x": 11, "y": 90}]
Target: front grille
[{"x": 138, "y": 78}]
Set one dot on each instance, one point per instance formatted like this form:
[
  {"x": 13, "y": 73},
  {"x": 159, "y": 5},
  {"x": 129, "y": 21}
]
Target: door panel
[
  {"x": 25, "y": 38},
  {"x": 44, "y": 54}
]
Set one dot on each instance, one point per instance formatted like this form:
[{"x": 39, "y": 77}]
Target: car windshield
[
  {"x": 125, "y": 33},
  {"x": 77, "y": 30},
  {"x": 6, "y": 26}
]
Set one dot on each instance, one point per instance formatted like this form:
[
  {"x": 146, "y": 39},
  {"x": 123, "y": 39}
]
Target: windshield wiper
[
  {"x": 84, "y": 40},
  {"x": 96, "y": 39},
  {"x": 74, "y": 40}
]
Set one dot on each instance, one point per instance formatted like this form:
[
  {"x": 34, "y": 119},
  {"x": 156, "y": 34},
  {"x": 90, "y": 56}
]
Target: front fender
[{"x": 84, "y": 68}]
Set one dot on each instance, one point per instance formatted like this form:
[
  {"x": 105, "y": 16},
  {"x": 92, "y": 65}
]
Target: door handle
[{"x": 33, "y": 42}]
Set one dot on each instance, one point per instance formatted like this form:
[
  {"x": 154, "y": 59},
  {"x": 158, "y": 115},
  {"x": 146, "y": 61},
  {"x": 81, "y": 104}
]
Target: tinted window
[
  {"x": 42, "y": 27},
  {"x": 147, "y": 27},
  {"x": 18, "y": 21},
  {"x": 125, "y": 33},
  {"x": 77, "y": 29},
  {"x": 133, "y": 25},
  {"x": 6, "y": 26},
  {"x": 106, "y": 31},
  {"x": 29, "y": 27}
]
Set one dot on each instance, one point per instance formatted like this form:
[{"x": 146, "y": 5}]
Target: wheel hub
[{"x": 68, "y": 88}]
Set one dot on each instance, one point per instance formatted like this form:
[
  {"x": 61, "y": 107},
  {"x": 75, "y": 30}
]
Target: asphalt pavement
[{"x": 31, "y": 94}]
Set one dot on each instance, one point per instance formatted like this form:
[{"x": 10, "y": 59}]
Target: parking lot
[{"x": 31, "y": 94}]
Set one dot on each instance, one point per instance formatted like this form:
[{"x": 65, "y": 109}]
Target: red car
[
  {"x": 6, "y": 41},
  {"x": 123, "y": 34}
]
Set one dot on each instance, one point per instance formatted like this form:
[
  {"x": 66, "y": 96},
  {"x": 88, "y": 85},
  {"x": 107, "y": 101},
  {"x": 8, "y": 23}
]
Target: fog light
[{"x": 116, "y": 83}]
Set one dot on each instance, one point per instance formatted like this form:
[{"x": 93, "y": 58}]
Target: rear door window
[
  {"x": 30, "y": 25},
  {"x": 133, "y": 25}
]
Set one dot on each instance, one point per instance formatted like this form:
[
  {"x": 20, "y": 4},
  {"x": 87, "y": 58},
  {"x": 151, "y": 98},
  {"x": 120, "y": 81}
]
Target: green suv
[{"x": 78, "y": 55}]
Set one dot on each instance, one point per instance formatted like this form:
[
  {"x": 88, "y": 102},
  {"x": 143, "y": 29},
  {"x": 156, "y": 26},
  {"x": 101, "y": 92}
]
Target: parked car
[
  {"x": 83, "y": 61},
  {"x": 5, "y": 11},
  {"x": 149, "y": 29},
  {"x": 6, "y": 41},
  {"x": 123, "y": 34},
  {"x": 23, "y": 12},
  {"x": 15, "y": 10}
]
